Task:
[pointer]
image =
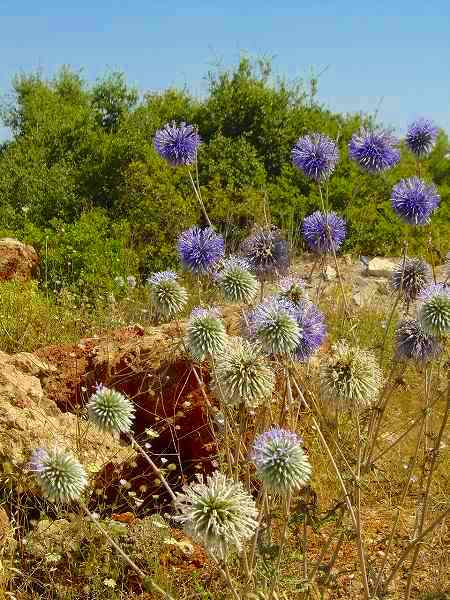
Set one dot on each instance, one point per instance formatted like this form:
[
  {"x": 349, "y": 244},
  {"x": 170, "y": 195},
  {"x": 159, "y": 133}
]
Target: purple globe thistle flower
[
  {"x": 160, "y": 276},
  {"x": 312, "y": 329},
  {"x": 410, "y": 277},
  {"x": 421, "y": 137},
  {"x": 274, "y": 323},
  {"x": 293, "y": 288},
  {"x": 413, "y": 343},
  {"x": 200, "y": 249},
  {"x": 324, "y": 232},
  {"x": 280, "y": 460},
  {"x": 414, "y": 200},
  {"x": 434, "y": 289},
  {"x": 374, "y": 151},
  {"x": 177, "y": 144},
  {"x": 267, "y": 253},
  {"x": 316, "y": 155}
]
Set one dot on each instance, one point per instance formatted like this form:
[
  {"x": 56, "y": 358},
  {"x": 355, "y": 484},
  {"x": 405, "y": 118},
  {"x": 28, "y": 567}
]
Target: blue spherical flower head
[
  {"x": 413, "y": 343},
  {"x": 293, "y": 288},
  {"x": 267, "y": 253},
  {"x": 414, "y": 200},
  {"x": 280, "y": 460},
  {"x": 324, "y": 232},
  {"x": 200, "y": 249},
  {"x": 434, "y": 309},
  {"x": 421, "y": 137},
  {"x": 177, "y": 144},
  {"x": 316, "y": 155},
  {"x": 312, "y": 329},
  {"x": 59, "y": 474},
  {"x": 274, "y": 323},
  {"x": 374, "y": 151}
]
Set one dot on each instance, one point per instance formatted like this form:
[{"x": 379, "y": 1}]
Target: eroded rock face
[
  {"x": 18, "y": 261},
  {"x": 29, "y": 419}
]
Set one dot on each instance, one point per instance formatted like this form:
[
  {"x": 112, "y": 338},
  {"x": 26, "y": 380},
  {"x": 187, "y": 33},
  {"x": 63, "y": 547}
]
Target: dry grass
[{"x": 89, "y": 569}]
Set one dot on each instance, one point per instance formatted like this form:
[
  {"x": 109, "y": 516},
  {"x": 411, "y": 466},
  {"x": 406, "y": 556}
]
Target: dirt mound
[{"x": 172, "y": 420}]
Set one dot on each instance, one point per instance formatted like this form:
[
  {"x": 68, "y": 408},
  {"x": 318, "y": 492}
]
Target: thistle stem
[
  {"x": 145, "y": 578},
  {"x": 155, "y": 469},
  {"x": 200, "y": 200}
]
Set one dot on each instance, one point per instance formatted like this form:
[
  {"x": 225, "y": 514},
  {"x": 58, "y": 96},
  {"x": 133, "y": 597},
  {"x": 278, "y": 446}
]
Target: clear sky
[{"x": 394, "y": 55}]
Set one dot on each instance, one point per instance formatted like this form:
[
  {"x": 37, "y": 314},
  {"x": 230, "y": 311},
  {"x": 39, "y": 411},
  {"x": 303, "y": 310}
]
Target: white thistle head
[{"x": 218, "y": 514}]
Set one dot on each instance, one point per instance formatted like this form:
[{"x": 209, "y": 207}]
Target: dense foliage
[{"x": 81, "y": 181}]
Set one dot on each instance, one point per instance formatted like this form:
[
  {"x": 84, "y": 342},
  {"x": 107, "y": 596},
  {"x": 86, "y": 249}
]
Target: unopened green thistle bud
[
  {"x": 274, "y": 324},
  {"x": 242, "y": 375},
  {"x": 205, "y": 333},
  {"x": 350, "y": 377},
  {"x": 167, "y": 296},
  {"x": 280, "y": 460},
  {"x": 59, "y": 474},
  {"x": 434, "y": 309},
  {"x": 236, "y": 281},
  {"x": 110, "y": 410},
  {"x": 218, "y": 514}
]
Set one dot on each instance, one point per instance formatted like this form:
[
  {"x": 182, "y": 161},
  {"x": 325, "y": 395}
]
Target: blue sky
[{"x": 391, "y": 55}]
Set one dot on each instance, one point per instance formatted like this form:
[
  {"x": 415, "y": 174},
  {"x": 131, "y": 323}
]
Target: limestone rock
[
  {"x": 18, "y": 261},
  {"x": 380, "y": 267},
  {"x": 29, "y": 419}
]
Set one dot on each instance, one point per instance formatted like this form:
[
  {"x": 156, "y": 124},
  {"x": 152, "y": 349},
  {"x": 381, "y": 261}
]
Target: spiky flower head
[
  {"x": 410, "y": 277},
  {"x": 350, "y": 377},
  {"x": 110, "y": 410},
  {"x": 280, "y": 460},
  {"x": 267, "y": 253},
  {"x": 316, "y": 155},
  {"x": 167, "y": 296},
  {"x": 177, "y": 144},
  {"x": 434, "y": 309},
  {"x": 205, "y": 333},
  {"x": 274, "y": 323},
  {"x": 59, "y": 474},
  {"x": 374, "y": 151},
  {"x": 421, "y": 137},
  {"x": 200, "y": 249},
  {"x": 413, "y": 343},
  {"x": 324, "y": 232},
  {"x": 312, "y": 329},
  {"x": 414, "y": 200},
  {"x": 218, "y": 514},
  {"x": 293, "y": 288},
  {"x": 242, "y": 375},
  {"x": 236, "y": 281}
]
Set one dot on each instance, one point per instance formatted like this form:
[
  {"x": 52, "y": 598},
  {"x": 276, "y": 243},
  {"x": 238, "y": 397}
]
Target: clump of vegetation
[
  {"x": 82, "y": 180},
  {"x": 309, "y": 440}
]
